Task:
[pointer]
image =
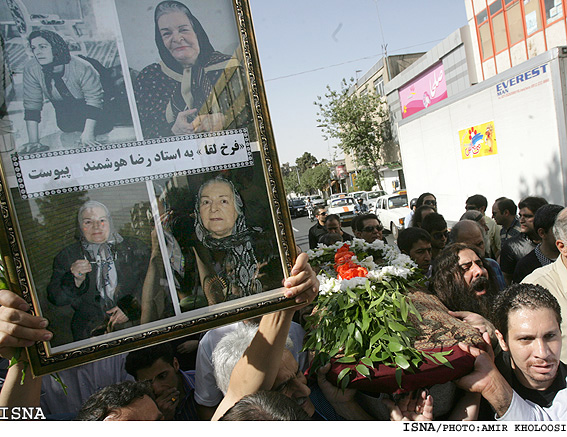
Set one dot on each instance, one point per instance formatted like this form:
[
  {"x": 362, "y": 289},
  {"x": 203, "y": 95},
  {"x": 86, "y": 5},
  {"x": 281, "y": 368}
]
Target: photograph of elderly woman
[
  {"x": 88, "y": 254},
  {"x": 67, "y": 77},
  {"x": 221, "y": 239},
  {"x": 189, "y": 77}
]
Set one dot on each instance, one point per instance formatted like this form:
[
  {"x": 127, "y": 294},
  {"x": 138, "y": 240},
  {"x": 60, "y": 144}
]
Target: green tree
[
  {"x": 291, "y": 184},
  {"x": 359, "y": 122},
  {"x": 365, "y": 180},
  {"x": 316, "y": 178},
  {"x": 305, "y": 162}
]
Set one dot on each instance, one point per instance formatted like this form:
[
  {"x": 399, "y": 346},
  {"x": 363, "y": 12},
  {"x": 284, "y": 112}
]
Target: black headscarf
[
  {"x": 61, "y": 56},
  {"x": 201, "y": 85}
]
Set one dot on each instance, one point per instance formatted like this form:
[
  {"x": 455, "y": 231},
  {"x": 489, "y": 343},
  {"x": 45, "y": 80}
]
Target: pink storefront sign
[{"x": 426, "y": 90}]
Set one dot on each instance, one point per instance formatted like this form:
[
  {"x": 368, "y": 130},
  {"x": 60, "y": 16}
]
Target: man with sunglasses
[
  {"x": 368, "y": 227},
  {"x": 318, "y": 229}
]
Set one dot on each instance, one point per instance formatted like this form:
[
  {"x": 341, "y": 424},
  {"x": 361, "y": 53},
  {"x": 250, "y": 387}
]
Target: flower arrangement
[{"x": 363, "y": 315}]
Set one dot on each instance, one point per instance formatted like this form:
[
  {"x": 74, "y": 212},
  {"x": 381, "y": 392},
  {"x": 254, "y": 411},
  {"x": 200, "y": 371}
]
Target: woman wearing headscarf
[
  {"x": 70, "y": 83},
  {"x": 100, "y": 276},
  {"x": 233, "y": 259},
  {"x": 176, "y": 96}
]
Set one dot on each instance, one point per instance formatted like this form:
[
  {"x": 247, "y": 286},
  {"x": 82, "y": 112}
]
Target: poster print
[{"x": 144, "y": 208}]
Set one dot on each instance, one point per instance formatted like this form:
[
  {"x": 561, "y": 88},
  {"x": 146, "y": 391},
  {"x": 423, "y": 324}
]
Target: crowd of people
[{"x": 503, "y": 275}]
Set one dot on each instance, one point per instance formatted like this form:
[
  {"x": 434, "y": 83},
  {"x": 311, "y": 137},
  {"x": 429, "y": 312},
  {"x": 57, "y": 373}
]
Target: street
[{"x": 301, "y": 227}]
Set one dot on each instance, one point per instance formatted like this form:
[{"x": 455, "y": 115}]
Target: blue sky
[{"x": 335, "y": 38}]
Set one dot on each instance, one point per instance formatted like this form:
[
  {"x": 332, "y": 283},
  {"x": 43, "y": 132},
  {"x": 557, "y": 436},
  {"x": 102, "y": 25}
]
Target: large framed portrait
[{"x": 140, "y": 189}]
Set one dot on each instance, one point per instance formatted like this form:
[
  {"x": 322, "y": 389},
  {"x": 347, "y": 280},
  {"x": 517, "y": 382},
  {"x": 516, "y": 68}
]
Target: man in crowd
[
  {"x": 461, "y": 281},
  {"x": 545, "y": 252},
  {"x": 471, "y": 233},
  {"x": 554, "y": 276},
  {"x": 479, "y": 203},
  {"x": 360, "y": 207},
  {"x": 416, "y": 243},
  {"x": 528, "y": 382},
  {"x": 527, "y": 319},
  {"x": 333, "y": 226},
  {"x": 514, "y": 249},
  {"x": 504, "y": 213},
  {"x": 172, "y": 387},
  {"x": 368, "y": 228},
  {"x": 289, "y": 379},
  {"x": 408, "y": 219},
  {"x": 436, "y": 226},
  {"x": 318, "y": 228}
]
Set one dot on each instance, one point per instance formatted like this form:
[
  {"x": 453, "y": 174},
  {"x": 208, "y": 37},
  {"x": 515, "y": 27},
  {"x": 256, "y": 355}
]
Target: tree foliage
[
  {"x": 291, "y": 184},
  {"x": 305, "y": 162},
  {"x": 365, "y": 180},
  {"x": 316, "y": 178},
  {"x": 359, "y": 122}
]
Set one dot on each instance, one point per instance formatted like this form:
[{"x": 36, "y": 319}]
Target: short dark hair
[
  {"x": 318, "y": 209},
  {"x": 518, "y": 296},
  {"x": 408, "y": 237},
  {"x": 421, "y": 199},
  {"x": 358, "y": 222},
  {"x": 533, "y": 203},
  {"x": 505, "y": 204},
  {"x": 417, "y": 217},
  {"x": 333, "y": 217},
  {"x": 330, "y": 239},
  {"x": 434, "y": 222},
  {"x": 265, "y": 405},
  {"x": 477, "y": 200},
  {"x": 545, "y": 216},
  {"x": 113, "y": 397},
  {"x": 144, "y": 358}
]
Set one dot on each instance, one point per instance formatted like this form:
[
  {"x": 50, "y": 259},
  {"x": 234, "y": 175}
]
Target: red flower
[
  {"x": 343, "y": 257},
  {"x": 354, "y": 272}
]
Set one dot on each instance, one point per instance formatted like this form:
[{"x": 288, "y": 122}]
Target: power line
[{"x": 346, "y": 62}]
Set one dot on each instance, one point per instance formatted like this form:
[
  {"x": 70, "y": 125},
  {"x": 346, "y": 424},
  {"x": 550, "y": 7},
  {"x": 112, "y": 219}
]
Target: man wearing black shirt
[
  {"x": 527, "y": 319},
  {"x": 318, "y": 228}
]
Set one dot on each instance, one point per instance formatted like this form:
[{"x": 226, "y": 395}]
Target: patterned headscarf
[
  {"x": 239, "y": 264},
  {"x": 200, "y": 85},
  {"x": 103, "y": 254}
]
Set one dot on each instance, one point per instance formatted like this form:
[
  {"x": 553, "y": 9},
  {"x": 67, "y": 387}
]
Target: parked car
[
  {"x": 344, "y": 208},
  {"x": 318, "y": 200},
  {"x": 369, "y": 198},
  {"x": 392, "y": 210},
  {"x": 297, "y": 208},
  {"x": 336, "y": 196}
]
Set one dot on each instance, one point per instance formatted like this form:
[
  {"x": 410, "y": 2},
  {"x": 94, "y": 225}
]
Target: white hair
[
  {"x": 230, "y": 349},
  {"x": 560, "y": 226}
]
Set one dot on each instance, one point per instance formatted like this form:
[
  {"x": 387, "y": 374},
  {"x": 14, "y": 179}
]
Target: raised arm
[{"x": 258, "y": 367}]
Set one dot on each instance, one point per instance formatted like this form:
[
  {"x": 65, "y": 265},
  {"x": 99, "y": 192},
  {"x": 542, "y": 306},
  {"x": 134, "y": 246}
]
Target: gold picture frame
[{"x": 140, "y": 188}]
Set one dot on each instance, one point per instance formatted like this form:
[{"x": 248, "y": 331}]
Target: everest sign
[{"x": 426, "y": 90}]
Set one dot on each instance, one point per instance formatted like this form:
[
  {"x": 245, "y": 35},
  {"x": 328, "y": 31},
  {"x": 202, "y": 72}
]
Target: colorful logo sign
[
  {"x": 426, "y": 90},
  {"x": 478, "y": 141}
]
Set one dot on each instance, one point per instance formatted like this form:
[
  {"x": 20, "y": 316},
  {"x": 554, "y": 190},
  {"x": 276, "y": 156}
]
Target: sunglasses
[
  {"x": 440, "y": 235},
  {"x": 323, "y": 213},
  {"x": 373, "y": 228},
  {"x": 430, "y": 202}
]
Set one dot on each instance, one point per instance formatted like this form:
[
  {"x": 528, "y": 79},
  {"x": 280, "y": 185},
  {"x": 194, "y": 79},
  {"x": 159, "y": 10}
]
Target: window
[
  {"x": 499, "y": 29},
  {"x": 379, "y": 86},
  {"x": 485, "y": 41},
  {"x": 495, "y": 7},
  {"x": 533, "y": 16},
  {"x": 553, "y": 10},
  {"x": 481, "y": 17},
  {"x": 515, "y": 25}
]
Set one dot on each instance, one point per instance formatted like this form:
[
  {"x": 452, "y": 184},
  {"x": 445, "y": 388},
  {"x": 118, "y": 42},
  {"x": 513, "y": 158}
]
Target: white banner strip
[{"x": 48, "y": 173}]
